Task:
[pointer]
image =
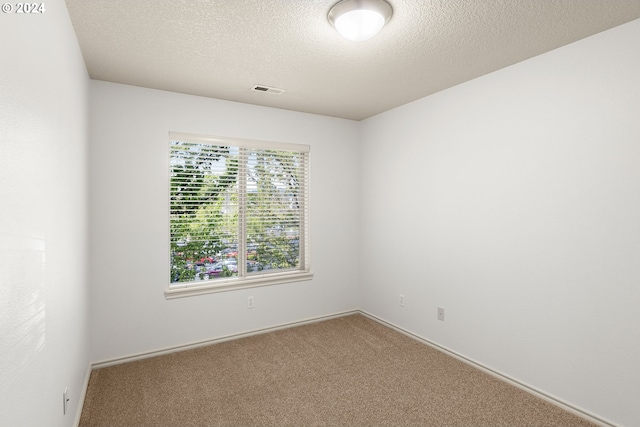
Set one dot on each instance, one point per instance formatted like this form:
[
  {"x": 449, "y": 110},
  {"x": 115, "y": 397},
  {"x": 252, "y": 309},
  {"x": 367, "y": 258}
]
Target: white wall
[
  {"x": 129, "y": 220},
  {"x": 44, "y": 344},
  {"x": 513, "y": 201}
]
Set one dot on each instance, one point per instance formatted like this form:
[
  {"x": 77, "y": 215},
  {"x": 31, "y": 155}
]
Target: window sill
[{"x": 235, "y": 283}]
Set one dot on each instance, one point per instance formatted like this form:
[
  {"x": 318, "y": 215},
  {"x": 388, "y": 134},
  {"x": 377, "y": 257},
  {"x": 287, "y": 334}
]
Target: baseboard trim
[
  {"x": 203, "y": 343},
  {"x": 83, "y": 394},
  {"x": 499, "y": 375}
]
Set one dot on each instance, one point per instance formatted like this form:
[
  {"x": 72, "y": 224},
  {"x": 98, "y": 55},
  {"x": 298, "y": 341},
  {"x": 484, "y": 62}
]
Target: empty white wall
[
  {"x": 44, "y": 345},
  {"x": 513, "y": 201},
  {"x": 130, "y": 216}
]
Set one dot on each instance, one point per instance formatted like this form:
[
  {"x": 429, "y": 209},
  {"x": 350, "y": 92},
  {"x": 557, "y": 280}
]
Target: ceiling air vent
[{"x": 267, "y": 89}]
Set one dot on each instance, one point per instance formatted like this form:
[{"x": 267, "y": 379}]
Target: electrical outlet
[
  {"x": 250, "y": 302},
  {"x": 401, "y": 300},
  {"x": 441, "y": 313},
  {"x": 65, "y": 401}
]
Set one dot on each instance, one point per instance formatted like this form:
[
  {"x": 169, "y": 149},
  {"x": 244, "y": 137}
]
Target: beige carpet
[{"x": 349, "y": 371}]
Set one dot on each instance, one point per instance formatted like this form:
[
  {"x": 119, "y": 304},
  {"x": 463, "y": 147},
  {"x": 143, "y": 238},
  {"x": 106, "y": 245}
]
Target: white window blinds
[{"x": 239, "y": 210}]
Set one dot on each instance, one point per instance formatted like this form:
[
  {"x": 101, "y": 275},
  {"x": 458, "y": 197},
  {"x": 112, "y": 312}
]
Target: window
[{"x": 239, "y": 213}]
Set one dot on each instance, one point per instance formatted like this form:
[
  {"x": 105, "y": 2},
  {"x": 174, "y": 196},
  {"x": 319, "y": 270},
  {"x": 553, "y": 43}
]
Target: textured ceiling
[{"x": 221, "y": 48}]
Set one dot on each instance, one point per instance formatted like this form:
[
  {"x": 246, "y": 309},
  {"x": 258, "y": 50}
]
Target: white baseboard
[
  {"x": 189, "y": 346},
  {"x": 83, "y": 394},
  {"x": 503, "y": 377}
]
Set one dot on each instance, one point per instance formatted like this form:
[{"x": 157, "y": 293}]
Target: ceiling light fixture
[{"x": 359, "y": 20}]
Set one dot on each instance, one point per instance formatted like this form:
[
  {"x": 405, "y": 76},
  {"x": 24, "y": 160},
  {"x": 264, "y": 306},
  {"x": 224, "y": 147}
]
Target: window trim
[
  {"x": 238, "y": 142},
  {"x": 236, "y": 283},
  {"x": 185, "y": 289}
]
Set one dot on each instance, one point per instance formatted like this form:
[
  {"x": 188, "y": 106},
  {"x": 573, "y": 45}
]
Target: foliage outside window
[{"x": 238, "y": 212}]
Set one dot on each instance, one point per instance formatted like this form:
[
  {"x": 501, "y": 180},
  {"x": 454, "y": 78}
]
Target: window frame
[{"x": 183, "y": 289}]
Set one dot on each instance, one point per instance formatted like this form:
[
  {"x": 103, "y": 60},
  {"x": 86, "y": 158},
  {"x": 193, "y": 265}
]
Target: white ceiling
[{"x": 221, "y": 48}]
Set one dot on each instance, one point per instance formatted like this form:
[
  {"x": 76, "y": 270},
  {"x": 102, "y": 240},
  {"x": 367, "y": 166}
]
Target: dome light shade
[{"x": 359, "y": 20}]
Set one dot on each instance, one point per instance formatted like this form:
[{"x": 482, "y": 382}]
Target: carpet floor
[{"x": 349, "y": 371}]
